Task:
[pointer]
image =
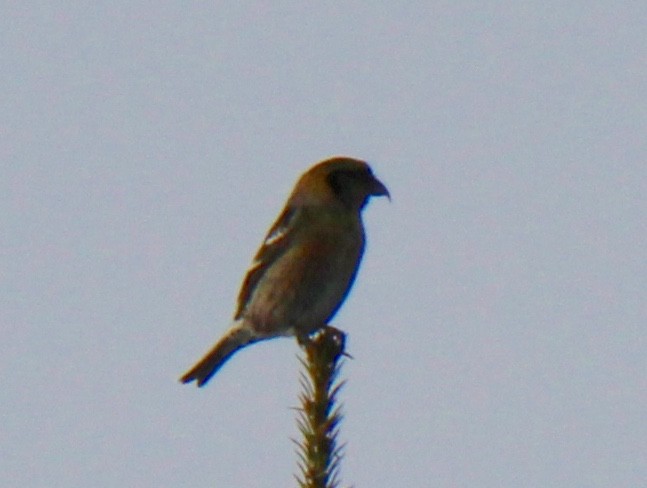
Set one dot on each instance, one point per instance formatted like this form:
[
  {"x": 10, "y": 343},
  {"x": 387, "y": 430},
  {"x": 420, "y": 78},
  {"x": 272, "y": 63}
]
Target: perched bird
[{"x": 306, "y": 265}]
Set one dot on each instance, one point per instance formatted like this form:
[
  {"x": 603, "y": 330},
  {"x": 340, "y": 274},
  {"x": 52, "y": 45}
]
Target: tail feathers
[{"x": 237, "y": 338}]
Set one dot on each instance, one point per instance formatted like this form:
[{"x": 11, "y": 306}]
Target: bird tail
[{"x": 236, "y": 338}]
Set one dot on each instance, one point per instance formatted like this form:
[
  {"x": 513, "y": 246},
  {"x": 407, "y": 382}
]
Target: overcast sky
[{"x": 498, "y": 324}]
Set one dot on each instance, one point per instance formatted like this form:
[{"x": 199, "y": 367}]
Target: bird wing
[{"x": 276, "y": 242}]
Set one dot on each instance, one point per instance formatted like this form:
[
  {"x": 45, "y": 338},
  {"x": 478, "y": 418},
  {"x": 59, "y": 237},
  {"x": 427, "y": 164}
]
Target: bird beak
[{"x": 378, "y": 189}]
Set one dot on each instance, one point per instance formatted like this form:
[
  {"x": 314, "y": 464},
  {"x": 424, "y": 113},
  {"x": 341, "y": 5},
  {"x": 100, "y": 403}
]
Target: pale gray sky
[{"x": 498, "y": 322}]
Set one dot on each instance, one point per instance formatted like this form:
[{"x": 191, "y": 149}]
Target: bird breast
[{"x": 303, "y": 289}]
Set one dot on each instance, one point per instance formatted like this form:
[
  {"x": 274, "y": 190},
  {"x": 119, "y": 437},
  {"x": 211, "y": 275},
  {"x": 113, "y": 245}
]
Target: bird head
[{"x": 338, "y": 181}]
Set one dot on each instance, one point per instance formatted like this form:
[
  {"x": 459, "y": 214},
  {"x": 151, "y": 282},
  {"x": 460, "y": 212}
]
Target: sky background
[{"x": 498, "y": 322}]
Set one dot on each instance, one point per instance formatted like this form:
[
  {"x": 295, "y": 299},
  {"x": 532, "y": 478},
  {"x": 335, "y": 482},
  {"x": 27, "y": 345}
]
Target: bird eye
[{"x": 336, "y": 182}]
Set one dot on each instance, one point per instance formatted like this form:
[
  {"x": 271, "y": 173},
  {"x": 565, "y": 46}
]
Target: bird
[{"x": 306, "y": 264}]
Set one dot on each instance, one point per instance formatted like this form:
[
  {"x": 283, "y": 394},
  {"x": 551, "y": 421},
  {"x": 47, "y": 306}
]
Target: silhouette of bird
[{"x": 306, "y": 265}]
